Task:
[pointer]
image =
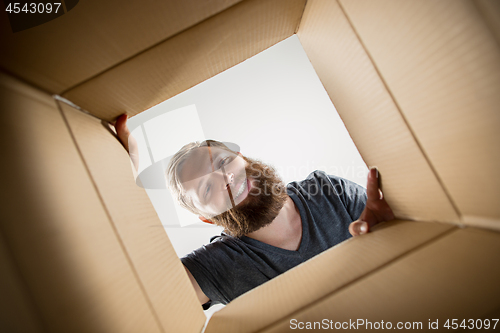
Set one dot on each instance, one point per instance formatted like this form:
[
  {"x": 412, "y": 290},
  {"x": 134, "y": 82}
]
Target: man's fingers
[
  {"x": 121, "y": 124},
  {"x": 372, "y": 186},
  {"x": 358, "y": 227},
  {"x": 122, "y": 130}
]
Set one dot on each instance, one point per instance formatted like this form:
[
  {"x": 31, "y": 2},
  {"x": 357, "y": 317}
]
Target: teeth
[{"x": 242, "y": 189}]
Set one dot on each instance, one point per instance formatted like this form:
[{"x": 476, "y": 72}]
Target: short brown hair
[{"x": 172, "y": 172}]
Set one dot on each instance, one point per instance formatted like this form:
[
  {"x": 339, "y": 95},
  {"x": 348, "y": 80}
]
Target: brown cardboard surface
[
  {"x": 55, "y": 228},
  {"x": 371, "y": 115},
  {"x": 94, "y": 36},
  {"x": 456, "y": 276},
  {"x": 441, "y": 63},
  {"x": 415, "y": 82},
  {"x": 157, "y": 266},
  {"x": 188, "y": 58},
  {"x": 326, "y": 273},
  {"x": 17, "y": 311},
  {"x": 490, "y": 9},
  {"x": 481, "y": 222}
]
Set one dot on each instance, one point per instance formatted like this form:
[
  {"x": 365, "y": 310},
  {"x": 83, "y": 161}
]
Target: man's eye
[
  {"x": 207, "y": 190},
  {"x": 223, "y": 161}
]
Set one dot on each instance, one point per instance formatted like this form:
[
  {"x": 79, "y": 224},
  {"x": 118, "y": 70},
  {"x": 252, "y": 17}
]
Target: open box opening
[{"x": 415, "y": 84}]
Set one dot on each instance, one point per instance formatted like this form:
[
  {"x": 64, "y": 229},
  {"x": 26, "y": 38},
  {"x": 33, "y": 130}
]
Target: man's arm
[
  {"x": 376, "y": 210},
  {"x": 201, "y": 295},
  {"x": 130, "y": 145}
]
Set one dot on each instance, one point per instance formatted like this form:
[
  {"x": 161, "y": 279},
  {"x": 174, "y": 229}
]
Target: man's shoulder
[
  {"x": 223, "y": 240},
  {"x": 319, "y": 183},
  {"x": 317, "y": 176},
  {"x": 316, "y": 181}
]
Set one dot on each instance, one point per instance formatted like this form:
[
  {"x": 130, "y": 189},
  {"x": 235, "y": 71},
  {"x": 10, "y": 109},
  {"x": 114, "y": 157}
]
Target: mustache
[
  {"x": 238, "y": 184},
  {"x": 233, "y": 191}
]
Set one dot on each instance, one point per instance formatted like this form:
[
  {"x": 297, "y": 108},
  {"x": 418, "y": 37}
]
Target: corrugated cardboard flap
[
  {"x": 441, "y": 63},
  {"x": 323, "y": 275},
  {"x": 188, "y": 58},
  {"x": 453, "y": 278},
  {"x": 95, "y": 36},
  {"x": 152, "y": 257},
  {"x": 417, "y": 87},
  {"x": 66, "y": 254}
]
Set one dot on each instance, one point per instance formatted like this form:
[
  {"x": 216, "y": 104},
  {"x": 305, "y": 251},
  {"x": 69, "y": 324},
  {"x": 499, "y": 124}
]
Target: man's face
[
  {"x": 240, "y": 194},
  {"x": 215, "y": 180}
]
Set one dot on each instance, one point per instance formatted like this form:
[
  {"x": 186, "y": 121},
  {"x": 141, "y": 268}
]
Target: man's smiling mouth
[{"x": 241, "y": 189}]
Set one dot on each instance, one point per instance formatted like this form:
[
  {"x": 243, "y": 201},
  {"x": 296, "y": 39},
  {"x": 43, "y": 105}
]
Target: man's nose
[{"x": 229, "y": 179}]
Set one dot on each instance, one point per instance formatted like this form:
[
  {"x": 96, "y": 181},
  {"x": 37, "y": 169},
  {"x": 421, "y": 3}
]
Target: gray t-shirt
[{"x": 229, "y": 266}]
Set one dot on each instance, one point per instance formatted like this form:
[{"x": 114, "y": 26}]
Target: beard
[{"x": 263, "y": 203}]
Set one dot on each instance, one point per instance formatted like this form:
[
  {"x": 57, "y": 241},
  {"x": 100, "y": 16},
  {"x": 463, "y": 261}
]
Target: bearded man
[{"x": 269, "y": 227}]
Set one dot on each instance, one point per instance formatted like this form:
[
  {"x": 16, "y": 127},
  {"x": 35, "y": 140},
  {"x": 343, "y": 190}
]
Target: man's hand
[
  {"x": 127, "y": 140},
  {"x": 376, "y": 210}
]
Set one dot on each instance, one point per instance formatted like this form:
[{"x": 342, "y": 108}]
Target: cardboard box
[{"x": 416, "y": 84}]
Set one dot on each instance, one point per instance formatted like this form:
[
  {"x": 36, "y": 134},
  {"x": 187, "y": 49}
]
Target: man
[{"x": 268, "y": 227}]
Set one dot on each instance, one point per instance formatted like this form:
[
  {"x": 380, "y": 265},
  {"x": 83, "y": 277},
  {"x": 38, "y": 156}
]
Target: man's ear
[{"x": 205, "y": 220}]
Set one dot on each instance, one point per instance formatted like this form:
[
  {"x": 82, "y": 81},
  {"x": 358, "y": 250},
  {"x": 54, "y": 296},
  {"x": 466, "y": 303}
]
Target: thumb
[{"x": 358, "y": 227}]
